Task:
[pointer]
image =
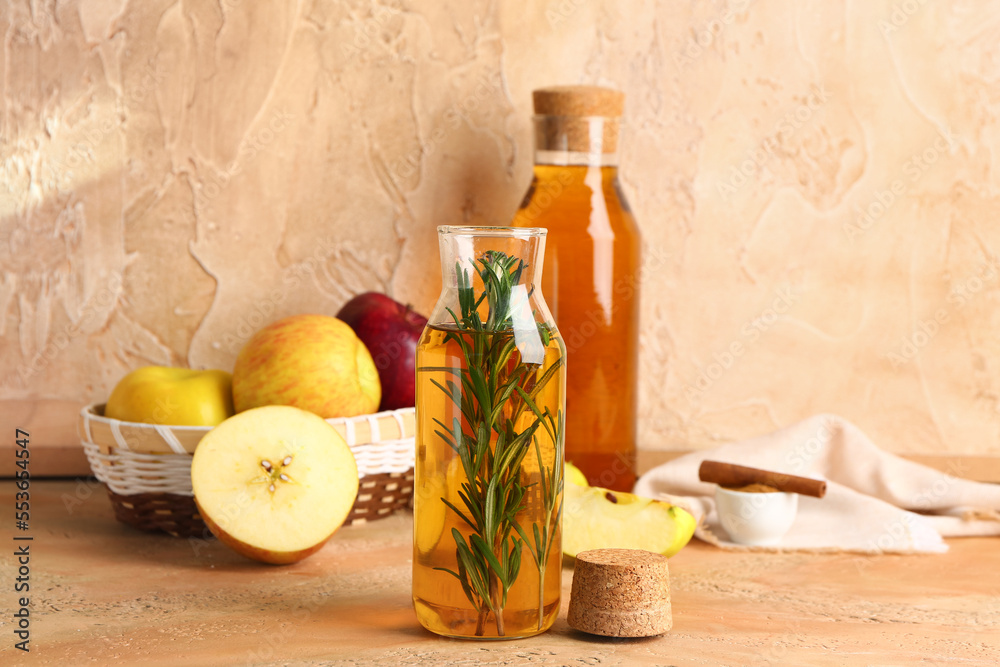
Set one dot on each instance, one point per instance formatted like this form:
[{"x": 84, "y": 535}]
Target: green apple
[
  {"x": 274, "y": 483},
  {"x": 175, "y": 396},
  {"x": 597, "y": 518},
  {"x": 313, "y": 362}
]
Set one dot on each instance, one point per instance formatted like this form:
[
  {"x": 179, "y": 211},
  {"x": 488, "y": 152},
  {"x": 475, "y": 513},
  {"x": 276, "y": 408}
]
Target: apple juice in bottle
[
  {"x": 488, "y": 488},
  {"x": 591, "y": 273}
]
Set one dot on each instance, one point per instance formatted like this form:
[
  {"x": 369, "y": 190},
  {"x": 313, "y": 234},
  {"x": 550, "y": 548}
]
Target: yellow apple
[
  {"x": 597, "y": 518},
  {"x": 176, "y": 396},
  {"x": 574, "y": 475},
  {"x": 274, "y": 483},
  {"x": 313, "y": 362},
  {"x": 429, "y": 494}
]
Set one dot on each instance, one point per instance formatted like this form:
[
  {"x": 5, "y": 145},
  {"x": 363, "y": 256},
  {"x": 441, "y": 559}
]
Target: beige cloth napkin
[{"x": 875, "y": 502}]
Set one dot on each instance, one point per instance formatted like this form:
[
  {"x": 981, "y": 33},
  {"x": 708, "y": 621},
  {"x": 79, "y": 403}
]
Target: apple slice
[
  {"x": 429, "y": 494},
  {"x": 274, "y": 483},
  {"x": 597, "y": 518},
  {"x": 574, "y": 475}
]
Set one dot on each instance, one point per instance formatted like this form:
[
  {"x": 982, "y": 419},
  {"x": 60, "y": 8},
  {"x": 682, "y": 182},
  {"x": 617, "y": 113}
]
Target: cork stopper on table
[
  {"x": 578, "y": 118},
  {"x": 620, "y": 593}
]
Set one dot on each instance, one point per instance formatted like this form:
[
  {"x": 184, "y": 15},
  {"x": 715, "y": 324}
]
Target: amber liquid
[
  {"x": 438, "y": 598},
  {"x": 590, "y": 283}
]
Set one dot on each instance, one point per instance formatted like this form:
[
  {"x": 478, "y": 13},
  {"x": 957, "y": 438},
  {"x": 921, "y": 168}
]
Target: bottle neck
[
  {"x": 576, "y": 141},
  {"x": 488, "y": 287},
  {"x": 575, "y": 159},
  {"x": 465, "y": 252}
]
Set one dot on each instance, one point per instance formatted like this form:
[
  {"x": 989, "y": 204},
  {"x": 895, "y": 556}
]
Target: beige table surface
[{"x": 102, "y": 593}]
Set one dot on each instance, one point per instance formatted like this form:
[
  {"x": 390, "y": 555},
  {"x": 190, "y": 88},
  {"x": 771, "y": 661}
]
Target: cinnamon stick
[{"x": 733, "y": 475}]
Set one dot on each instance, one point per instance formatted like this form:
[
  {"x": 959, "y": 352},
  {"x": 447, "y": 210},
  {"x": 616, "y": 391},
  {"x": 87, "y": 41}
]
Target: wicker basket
[{"x": 147, "y": 467}]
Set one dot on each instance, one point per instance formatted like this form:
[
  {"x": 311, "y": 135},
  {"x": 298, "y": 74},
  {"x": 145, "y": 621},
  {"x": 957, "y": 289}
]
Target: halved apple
[
  {"x": 597, "y": 518},
  {"x": 274, "y": 483},
  {"x": 574, "y": 475}
]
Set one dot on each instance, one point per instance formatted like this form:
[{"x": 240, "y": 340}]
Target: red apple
[{"x": 390, "y": 331}]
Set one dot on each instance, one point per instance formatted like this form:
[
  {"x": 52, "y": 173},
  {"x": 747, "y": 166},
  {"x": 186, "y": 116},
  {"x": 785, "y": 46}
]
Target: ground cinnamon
[{"x": 753, "y": 488}]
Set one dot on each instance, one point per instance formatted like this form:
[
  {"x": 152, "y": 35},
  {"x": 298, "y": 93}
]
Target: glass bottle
[
  {"x": 591, "y": 273},
  {"x": 491, "y": 375}
]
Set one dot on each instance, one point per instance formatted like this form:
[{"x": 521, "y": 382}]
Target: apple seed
[{"x": 274, "y": 473}]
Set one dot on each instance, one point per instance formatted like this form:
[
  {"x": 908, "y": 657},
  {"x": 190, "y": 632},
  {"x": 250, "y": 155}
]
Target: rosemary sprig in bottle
[{"x": 492, "y": 395}]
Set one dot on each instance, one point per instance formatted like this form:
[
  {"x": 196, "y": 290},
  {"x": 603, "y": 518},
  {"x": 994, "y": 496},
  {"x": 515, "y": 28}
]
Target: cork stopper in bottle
[
  {"x": 579, "y": 101},
  {"x": 620, "y": 593},
  {"x": 578, "y": 118}
]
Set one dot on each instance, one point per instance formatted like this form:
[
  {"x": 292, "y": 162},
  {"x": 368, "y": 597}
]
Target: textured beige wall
[{"x": 815, "y": 182}]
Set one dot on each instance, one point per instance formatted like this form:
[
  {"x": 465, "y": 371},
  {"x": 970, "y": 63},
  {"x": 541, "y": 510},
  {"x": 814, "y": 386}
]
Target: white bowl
[{"x": 756, "y": 519}]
